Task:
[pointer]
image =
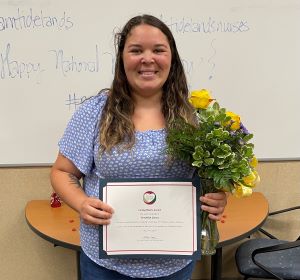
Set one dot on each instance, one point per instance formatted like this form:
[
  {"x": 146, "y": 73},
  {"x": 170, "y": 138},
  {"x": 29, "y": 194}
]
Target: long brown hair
[{"x": 116, "y": 126}]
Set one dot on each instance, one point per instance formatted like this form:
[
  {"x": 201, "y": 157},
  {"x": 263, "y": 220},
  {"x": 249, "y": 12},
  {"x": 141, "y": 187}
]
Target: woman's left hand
[{"x": 214, "y": 204}]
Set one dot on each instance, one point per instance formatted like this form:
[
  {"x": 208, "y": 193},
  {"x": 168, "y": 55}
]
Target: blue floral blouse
[{"x": 80, "y": 144}]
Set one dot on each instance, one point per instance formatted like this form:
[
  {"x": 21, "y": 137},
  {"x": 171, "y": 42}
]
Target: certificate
[{"x": 151, "y": 217}]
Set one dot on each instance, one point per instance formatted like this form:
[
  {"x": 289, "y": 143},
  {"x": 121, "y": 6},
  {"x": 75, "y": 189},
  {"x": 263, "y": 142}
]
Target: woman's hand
[
  {"x": 96, "y": 212},
  {"x": 214, "y": 204}
]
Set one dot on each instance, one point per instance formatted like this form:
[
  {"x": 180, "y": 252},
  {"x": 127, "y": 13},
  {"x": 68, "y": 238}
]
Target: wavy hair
[{"x": 116, "y": 126}]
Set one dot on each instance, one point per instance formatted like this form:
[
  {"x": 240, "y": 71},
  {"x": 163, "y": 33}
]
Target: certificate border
[{"x": 195, "y": 182}]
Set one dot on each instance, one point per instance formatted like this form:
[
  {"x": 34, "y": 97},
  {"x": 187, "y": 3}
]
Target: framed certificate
[{"x": 152, "y": 217}]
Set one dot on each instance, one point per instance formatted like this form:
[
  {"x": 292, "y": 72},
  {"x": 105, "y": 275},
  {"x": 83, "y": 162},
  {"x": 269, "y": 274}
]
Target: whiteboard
[{"x": 55, "y": 54}]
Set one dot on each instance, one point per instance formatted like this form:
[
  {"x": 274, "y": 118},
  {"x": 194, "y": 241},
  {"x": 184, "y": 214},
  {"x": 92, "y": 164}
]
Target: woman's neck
[{"x": 148, "y": 114}]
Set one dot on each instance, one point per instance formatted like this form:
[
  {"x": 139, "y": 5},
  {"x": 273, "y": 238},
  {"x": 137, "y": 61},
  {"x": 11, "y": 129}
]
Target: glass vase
[{"x": 209, "y": 229}]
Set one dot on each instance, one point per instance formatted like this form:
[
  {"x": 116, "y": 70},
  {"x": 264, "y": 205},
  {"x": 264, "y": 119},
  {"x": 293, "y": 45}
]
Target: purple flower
[
  {"x": 241, "y": 142},
  {"x": 244, "y": 129}
]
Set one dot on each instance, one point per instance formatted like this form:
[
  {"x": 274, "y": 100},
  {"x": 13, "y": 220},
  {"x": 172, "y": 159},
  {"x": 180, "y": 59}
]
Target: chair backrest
[
  {"x": 253, "y": 256},
  {"x": 284, "y": 246}
]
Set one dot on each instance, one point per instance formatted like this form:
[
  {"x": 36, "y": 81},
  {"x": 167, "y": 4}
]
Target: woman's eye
[
  {"x": 158, "y": 50},
  {"x": 135, "y": 51}
]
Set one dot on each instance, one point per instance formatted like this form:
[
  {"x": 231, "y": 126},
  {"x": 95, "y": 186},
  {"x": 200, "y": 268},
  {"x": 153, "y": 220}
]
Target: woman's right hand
[
  {"x": 65, "y": 179},
  {"x": 93, "y": 211}
]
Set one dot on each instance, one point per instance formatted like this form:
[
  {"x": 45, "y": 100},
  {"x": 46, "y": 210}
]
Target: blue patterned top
[{"x": 80, "y": 144}]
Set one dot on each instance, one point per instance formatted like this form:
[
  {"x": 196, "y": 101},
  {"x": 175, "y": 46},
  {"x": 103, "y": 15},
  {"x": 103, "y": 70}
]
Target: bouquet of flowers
[{"x": 219, "y": 149}]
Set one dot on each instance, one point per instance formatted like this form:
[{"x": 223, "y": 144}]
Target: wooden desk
[{"x": 60, "y": 226}]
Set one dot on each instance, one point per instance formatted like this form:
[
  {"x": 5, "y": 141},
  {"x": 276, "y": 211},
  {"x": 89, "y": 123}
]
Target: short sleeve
[{"x": 77, "y": 143}]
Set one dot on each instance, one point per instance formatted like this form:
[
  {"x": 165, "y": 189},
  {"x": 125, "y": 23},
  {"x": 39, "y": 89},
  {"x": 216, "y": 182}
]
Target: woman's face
[{"x": 147, "y": 60}]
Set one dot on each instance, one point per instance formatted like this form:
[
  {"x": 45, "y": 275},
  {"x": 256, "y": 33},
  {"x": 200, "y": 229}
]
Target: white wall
[{"x": 55, "y": 54}]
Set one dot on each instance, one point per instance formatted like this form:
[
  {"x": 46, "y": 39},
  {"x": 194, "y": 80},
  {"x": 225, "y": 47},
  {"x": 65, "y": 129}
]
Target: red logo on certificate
[{"x": 149, "y": 197}]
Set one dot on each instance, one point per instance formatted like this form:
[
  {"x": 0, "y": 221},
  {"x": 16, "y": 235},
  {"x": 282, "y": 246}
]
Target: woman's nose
[{"x": 147, "y": 57}]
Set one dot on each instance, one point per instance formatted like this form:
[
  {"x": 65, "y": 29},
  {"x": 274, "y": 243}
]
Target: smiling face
[{"x": 147, "y": 60}]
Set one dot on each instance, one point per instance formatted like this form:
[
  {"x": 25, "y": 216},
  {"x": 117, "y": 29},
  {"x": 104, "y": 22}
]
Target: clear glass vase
[{"x": 209, "y": 229}]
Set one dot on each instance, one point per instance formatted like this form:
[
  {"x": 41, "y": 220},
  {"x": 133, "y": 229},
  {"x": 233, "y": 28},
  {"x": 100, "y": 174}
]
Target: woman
[{"x": 120, "y": 133}]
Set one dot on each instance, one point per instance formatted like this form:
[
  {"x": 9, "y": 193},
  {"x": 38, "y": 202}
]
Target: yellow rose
[
  {"x": 235, "y": 121},
  {"x": 200, "y": 99},
  {"x": 252, "y": 179},
  {"x": 253, "y": 162},
  {"x": 241, "y": 191}
]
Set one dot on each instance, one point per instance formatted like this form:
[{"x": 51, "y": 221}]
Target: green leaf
[
  {"x": 248, "y": 151},
  {"x": 219, "y": 161},
  {"x": 209, "y": 161},
  {"x": 199, "y": 153},
  {"x": 222, "y": 151},
  {"x": 247, "y": 137},
  {"x": 216, "y": 106},
  {"x": 222, "y": 111},
  {"x": 197, "y": 163},
  {"x": 220, "y": 117}
]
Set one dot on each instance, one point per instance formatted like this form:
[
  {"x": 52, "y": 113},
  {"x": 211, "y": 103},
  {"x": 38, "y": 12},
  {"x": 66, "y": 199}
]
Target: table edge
[
  {"x": 54, "y": 241},
  {"x": 242, "y": 236}
]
